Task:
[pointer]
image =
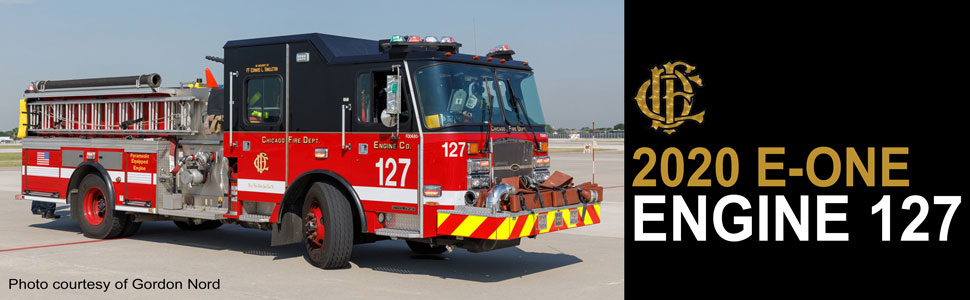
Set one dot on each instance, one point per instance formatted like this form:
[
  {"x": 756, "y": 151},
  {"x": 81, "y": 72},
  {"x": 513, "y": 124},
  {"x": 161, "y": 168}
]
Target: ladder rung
[{"x": 170, "y": 115}]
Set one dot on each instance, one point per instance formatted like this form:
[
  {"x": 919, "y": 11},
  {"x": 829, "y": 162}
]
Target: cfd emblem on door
[{"x": 260, "y": 162}]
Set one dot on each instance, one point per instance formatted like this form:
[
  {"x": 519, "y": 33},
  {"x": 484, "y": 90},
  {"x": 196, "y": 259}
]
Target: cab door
[
  {"x": 260, "y": 106},
  {"x": 386, "y": 162}
]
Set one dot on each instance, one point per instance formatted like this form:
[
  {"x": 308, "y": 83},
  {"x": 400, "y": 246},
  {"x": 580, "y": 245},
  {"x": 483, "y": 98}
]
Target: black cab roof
[{"x": 340, "y": 49}]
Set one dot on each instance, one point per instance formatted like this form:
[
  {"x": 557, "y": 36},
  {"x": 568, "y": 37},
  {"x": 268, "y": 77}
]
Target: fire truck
[{"x": 324, "y": 140}]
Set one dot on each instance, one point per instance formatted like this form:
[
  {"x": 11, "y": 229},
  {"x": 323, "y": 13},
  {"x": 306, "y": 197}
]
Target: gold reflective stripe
[
  {"x": 442, "y": 218},
  {"x": 504, "y": 230},
  {"x": 468, "y": 226},
  {"x": 530, "y": 223}
]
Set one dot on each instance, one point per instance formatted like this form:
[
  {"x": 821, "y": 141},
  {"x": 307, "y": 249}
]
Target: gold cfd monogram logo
[
  {"x": 260, "y": 162},
  {"x": 662, "y": 87}
]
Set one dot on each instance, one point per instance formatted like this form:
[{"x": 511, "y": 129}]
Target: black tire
[
  {"x": 425, "y": 248},
  {"x": 209, "y": 225},
  {"x": 338, "y": 227},
  {"x": 205, "y": 225},
  {"x": 112, "y": 222},
  {"x": 131, "y": 228}
]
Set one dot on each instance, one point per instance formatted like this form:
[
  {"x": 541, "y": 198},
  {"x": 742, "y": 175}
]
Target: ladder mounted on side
[
  {"x": 129, "y": 105},
  {"x": 124, "y": 116}
]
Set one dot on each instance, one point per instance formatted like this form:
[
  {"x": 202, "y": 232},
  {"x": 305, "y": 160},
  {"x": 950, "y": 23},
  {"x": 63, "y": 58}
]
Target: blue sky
[{"x": 576, "y": 47}]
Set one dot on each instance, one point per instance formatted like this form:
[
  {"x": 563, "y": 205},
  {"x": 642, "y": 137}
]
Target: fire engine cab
[{"x": 324, "y": 140}]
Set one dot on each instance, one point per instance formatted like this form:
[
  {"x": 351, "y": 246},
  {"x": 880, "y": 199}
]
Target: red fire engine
[{"x": 324, "y": 140}]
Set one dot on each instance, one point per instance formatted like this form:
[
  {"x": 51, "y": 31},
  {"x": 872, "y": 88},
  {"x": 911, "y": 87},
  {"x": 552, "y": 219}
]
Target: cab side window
[
  {"x": 371, "y": 99},
  {"x": 365, "y": 100},
  {"x": 263, "y": 100}
]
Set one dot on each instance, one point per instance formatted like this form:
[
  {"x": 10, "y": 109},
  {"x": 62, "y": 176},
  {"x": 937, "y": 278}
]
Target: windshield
[
  {"x": 458, "y": 94},
  {"x": 524, "y": 89}
]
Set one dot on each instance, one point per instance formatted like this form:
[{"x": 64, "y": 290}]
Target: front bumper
[{"x": 481, "y": 223}]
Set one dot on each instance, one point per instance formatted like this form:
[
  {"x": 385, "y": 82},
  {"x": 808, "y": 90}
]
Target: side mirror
[
  {"x": 393, "y": 94},
  {"x": 389, "y": 115},
  {"x": 388, "y": 119}
]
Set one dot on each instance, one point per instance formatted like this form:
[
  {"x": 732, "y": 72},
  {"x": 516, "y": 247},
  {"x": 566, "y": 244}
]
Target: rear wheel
[
  {"x": 425, "y": 248},
  {"x": 99, "y": 219},
  {"x": 327, "y": 227},
  {"x": 205, "y": 225},
  {"x": 131, "y": 228}
]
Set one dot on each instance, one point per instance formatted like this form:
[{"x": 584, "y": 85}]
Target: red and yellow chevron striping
[{"x": 508, "y": 228}]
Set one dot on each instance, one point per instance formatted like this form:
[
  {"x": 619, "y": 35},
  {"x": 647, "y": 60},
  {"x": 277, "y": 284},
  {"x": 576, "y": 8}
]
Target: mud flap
[
  {"x": 288, "y": 231},
  {"x": 75, "y": 209}
]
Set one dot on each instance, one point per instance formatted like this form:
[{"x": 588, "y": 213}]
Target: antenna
[{"x": 474, "y": 35}]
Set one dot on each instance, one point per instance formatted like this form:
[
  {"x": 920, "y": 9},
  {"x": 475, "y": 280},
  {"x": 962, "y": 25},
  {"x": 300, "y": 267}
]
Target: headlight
[
  {"x": 478, "y": 165},
  {"x": 540, "y": 162},
  {"x": 478, "y": 181},
  {"x": 540, "y": 175}
]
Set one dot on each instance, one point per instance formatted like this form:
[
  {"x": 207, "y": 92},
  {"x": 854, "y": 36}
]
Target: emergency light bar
[
  {"x": 502, "y": 52},
  {"x": 414, "y": 43}
]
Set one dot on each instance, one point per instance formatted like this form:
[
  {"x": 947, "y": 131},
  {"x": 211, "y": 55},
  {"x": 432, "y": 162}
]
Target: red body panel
[
  {"x": 455, "y": 162},
  {"x": 140, "y": 178},
  {"x": 385, "y": 188},
  {"x": 49, "y": 176},
  {"x": 265, "y": 171},
  {"x": 40, "y": 176},
  {"x": 264, "y": 178}
]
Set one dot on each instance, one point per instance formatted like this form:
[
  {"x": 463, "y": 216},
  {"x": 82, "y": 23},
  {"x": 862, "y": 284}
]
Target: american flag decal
[{"x": 43, "y": 158}]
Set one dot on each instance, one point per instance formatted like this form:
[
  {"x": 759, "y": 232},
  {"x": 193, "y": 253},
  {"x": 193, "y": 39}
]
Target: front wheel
[
  {"x": 99, "y": 219},
  {"x": 327, "y": 227}
]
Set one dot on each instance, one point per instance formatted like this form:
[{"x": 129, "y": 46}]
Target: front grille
[
  {"x": 499, "y": 174},
  {"x": 511, "y": 157}
]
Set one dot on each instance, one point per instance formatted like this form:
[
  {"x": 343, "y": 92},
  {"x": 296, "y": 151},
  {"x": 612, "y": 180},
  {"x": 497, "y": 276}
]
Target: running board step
[
  {"x": 254, "y": 218},
  {"x": 41, "y": 199},
  {"x": 190, "y": 213},
  {"x": 399, "y": 233}
]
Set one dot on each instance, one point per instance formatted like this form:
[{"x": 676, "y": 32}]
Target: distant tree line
[
  {"x": 12, "y": 133},
  {"x": 550, "y": 129}
]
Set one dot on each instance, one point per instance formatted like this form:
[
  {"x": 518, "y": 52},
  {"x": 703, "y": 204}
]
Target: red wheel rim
[
  {"x": 95, "y": 206},
  {"x": 314, "y": 225}
]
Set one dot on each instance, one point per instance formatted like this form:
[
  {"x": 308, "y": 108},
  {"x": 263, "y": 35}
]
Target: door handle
[{"x": 343, "y": 124}]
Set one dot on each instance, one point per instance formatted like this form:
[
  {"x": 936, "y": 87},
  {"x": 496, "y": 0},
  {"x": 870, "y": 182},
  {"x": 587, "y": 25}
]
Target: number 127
[{"x": 910, "y": 233}]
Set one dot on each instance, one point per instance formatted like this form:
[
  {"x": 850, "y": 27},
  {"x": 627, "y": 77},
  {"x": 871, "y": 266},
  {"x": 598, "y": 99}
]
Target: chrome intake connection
[
  {"x": 471, "y": 197},
  {"x": 499, "y": 193}
]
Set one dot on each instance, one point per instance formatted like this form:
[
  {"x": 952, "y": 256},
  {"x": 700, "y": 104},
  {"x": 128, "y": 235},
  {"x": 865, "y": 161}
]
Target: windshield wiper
[
  {"x": 518, "y": 106},
  {"x": 488, "y": 99}
]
